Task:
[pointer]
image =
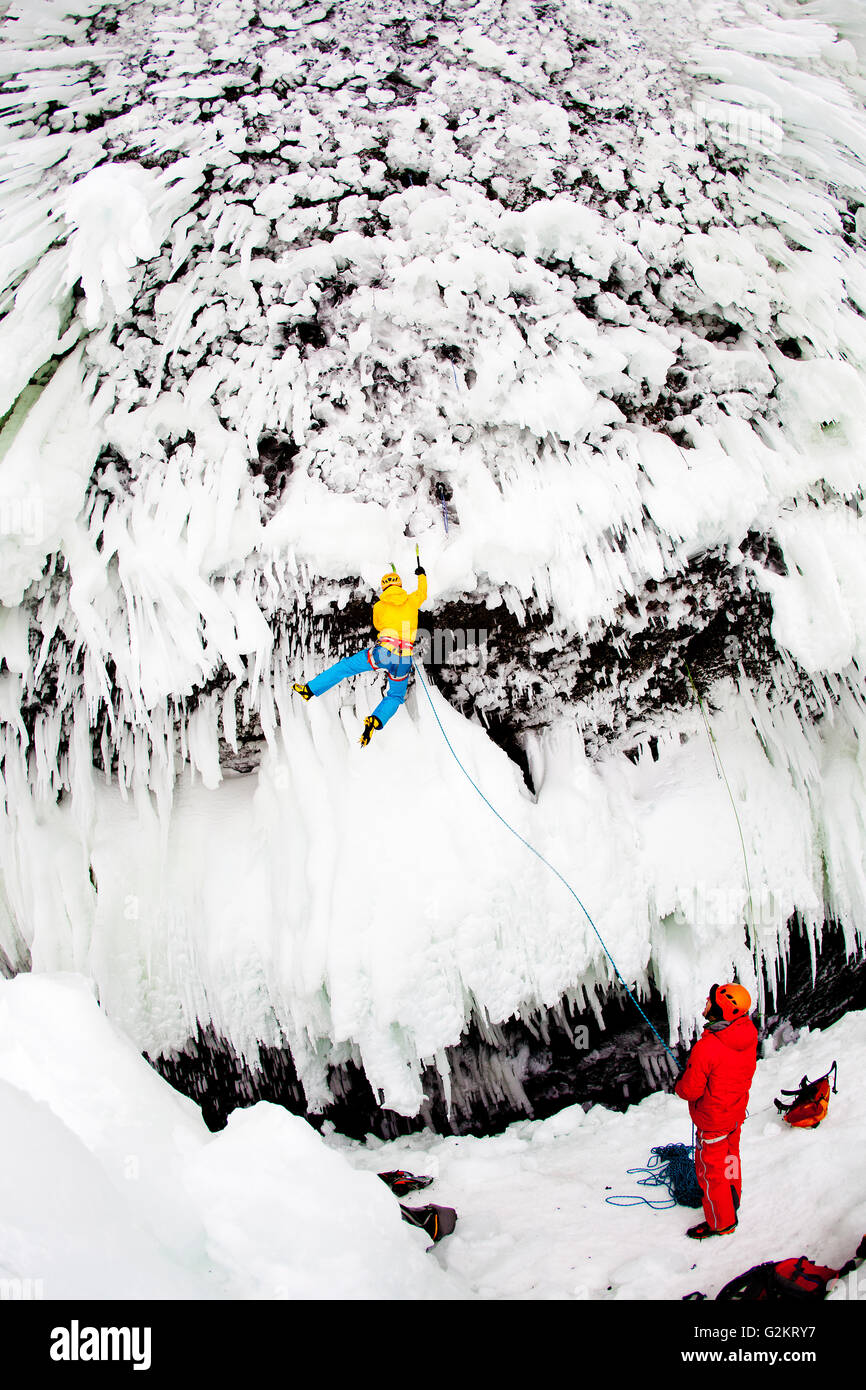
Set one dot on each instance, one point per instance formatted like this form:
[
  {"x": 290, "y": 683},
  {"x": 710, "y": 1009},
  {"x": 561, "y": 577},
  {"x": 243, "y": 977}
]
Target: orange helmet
[
  {"x": 392, "y": 578},
  {"x": 732, "y": 1001}
]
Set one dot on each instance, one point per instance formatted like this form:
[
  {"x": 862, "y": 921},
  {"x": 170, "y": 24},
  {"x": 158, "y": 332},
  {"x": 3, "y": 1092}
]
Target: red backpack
[
  {"x": 788, "y": 1279},
  {"x": 811, "y": 1101},
  {"x": 798, "y": 1279}
]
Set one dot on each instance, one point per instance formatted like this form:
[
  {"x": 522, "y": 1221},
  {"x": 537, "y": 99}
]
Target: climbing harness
[
  {"x": 550, "y": 866},
  {"x": 376, "y": 667},
  {"x": 395, "y": 645},
  {"x": 671, "y": 1166}
]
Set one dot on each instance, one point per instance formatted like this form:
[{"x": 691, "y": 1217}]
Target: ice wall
[{"x": 572, "y": 298}]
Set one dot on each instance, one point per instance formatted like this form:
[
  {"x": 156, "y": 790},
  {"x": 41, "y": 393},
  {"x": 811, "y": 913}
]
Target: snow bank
[{"x": 122, "y": 1193}]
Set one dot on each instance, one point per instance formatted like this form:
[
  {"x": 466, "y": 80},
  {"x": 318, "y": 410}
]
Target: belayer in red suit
[{"x": 716, "y": 1085}]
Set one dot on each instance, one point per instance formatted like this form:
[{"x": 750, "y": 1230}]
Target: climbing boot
[
  {"x": 304, "y": 691},
  {"x": 702, "y": 1231},
  {"x": 370, "y": 723}
]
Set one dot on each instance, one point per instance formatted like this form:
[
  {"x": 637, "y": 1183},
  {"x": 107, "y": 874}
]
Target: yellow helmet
[{"x": 389, "y": 579}]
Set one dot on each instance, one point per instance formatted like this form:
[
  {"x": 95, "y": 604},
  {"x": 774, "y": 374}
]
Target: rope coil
[{"x": 671, "y": 1166}]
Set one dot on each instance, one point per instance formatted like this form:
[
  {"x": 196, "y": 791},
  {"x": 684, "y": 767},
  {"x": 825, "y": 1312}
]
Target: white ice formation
[{"x": 571, "y": 295}]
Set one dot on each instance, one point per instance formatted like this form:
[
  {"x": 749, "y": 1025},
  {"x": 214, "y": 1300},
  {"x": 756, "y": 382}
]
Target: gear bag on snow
[
  {"x": 401, "y": 1182},
  {"x": 438, "y": 1222},
  {"x": 786, "y": 1279},
  {"x": 798, "y": 1278},
  {"x": 811, "y": 1101},
  {"x": 777, "y": 1280}
]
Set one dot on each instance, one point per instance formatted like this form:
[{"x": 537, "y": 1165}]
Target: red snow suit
[{"x": 716, "y": 1084}]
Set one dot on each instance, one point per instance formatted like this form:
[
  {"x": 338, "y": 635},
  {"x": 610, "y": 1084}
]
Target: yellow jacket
[{"x": 395, "y": 616}]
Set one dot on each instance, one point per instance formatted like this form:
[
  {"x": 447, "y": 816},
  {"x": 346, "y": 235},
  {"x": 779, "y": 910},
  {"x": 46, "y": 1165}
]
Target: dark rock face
[
  {"x": 522, "y": 1069},
  {"x": 818, "y": 993},
  {"x": 622, "y": 676},
  {"x": 515, "y": 673}
]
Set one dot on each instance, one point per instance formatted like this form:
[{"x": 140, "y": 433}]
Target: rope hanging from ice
[
  {"x": 547, "y": 862},
  {"x": 718, "y": 762}
]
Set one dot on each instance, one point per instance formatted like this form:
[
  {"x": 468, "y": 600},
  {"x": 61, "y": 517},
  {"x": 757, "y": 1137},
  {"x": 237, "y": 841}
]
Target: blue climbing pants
[{"x": 397, "y": 669}]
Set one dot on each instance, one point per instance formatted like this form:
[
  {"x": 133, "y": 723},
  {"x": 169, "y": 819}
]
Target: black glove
[{"x": 419, "y": 569}]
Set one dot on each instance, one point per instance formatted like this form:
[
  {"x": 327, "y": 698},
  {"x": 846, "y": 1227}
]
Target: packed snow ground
[{"x": 122, "y": 1192}]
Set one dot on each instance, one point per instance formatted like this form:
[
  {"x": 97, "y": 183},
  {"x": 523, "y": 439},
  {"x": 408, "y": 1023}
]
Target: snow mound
[{"x": 122, "y": 1193}]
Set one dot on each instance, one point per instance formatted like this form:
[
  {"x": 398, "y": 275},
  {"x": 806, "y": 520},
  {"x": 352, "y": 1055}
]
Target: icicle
[{"x": 203, "y": 743}]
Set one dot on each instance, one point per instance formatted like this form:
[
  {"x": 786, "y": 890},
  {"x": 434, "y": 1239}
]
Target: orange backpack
[{"x": 811, "y": 1101}]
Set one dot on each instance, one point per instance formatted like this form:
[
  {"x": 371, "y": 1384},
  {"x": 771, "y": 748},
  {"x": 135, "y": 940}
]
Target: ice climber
[
  {"x": 716, "y": 1085},
  {"x": 395, "y": 619}
]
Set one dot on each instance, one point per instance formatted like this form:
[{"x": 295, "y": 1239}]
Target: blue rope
[
  {"x": 550, "y": 866},
  {"x": 671, "y": 1166}
]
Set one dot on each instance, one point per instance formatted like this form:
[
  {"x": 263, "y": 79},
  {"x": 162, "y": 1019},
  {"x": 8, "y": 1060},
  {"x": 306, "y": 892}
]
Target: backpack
[
  {"x": 402, "y": 1183},
  {"x": 788, "y": 1279},
  {"x": 811, "y": 1101},
  {"x": 782, "y": 1279},
  {"x": 438, "y": 1222}
]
